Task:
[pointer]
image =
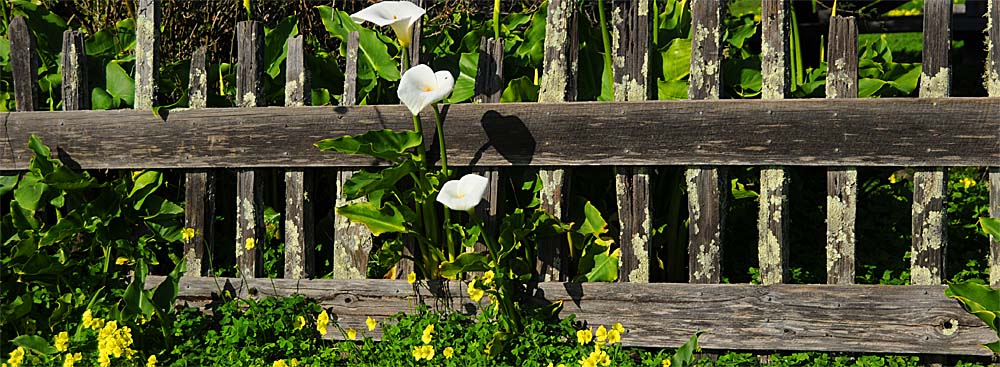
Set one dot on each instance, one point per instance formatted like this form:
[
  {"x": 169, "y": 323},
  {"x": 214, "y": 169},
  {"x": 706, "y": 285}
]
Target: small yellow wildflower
[
  {"x": 121, "y": 260},
  {"x": 279, "y": 363},
  {"x": 599, "y": 357},
  {"x": 293, "y": 363},
  {"x": 16, "y": 357},
  {"x": 411, "y": 277},
  {"x": 423, "y": 352},
  {"x": 893, "y": 179},
  {"x": 300, "y": 322},
  {"x": 587, "y": 362},
  {"x": 62, "y": 341},
  {"x": 666, "y": 363},
  {"x": 448, "y": 353},
  {"x": 614, "y": 336},
  {"x": 488, "y": 277},
  {"x": 71, "y": 359},
  {"x": 321, "y": 322},
  {"x": 251, "y": 244},
  {"x": 584, "y": 336},
  {"x": 428, "y": 334},
  {"x": 371, "y": 323},
  {"x": 618, "y": 326},
  {"x": 475, "y": 294},
  {"x": 602, "y": 333},
  {"x": 967, "y": 182},
  {"x": 187, "y": 233},
  {"x": 352, "y": 334},
  {"x": 151, "y": 361}
]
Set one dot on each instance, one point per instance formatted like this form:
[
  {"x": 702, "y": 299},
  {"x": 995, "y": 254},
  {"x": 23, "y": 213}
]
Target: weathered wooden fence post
[
  {"x": 352, "y": 241},
  {"x": 842, "y": 183},
  {"x": 147, "y": 35},
  {"x": 993, "y": 88},
  {"x": 706, "y": 186},
  {"x": 772, "y": 220},
  {"x": 299, "y": 226},
  {"x": 557, "y": 85},
  {"x": 199, "y": 194},
  {"x": 631, "y": 83},
  {"x": 249, "y": 191},
  {"x": 489, "y": 88},
  {"x": 75, "y": 92},
  {"x": 24, "y": 64}
]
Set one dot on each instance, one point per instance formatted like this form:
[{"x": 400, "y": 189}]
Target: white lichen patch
[
  {"x": 937, "y": 85},
  {"x": 839, "y": 80},
  {"x": 772, "y": 72},
  {"x": 554, "y": 77},
  {"x": 992, "y": 73},
  {"x": 249, "y": 100},
  {"x": 639, "y": 240},
  {"x": 704, "y": 69},
  {"x": 145, "y": 85},
  {"x": 769, "y": 221},
  {"x": 841, "y": 212},
  {"x": 929, "y": 226},
  {"x": 294, "y": 247},
  {"x": 197, "y": 98},
  {"x": 552, "y": 181}
]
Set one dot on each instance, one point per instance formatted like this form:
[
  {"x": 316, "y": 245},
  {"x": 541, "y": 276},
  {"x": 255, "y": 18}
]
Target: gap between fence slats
[
  {"x": 249, "y": 190},
  {"x": 842, "y": 183}
]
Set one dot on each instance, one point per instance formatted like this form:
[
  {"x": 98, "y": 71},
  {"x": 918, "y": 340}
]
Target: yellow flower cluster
[
  {"x": 16, "y": 358},
  {"x": 187, "y": 234},
  {"x": 113, "y": 341},
  {"x": 62, "y": 341},
  {"x": 584, "y": 336},
  {"x": 967, "y": 182},
  {"x": 251, "y": 244},
  {"x": 281, "y": 363},
  {"x": 90, "y": 322},
  {"x": 903, "y": 12},
  {"x": 604, "y": 335},
  {"x": 423, "y": 352},
  {"x": 428, "y": 334},
  {"x": 71, "y": 359},
  {"x": 151, "y": 361},
  {"x": 411, "y": 277},
  {"x": 371, "y": 323},
  {"x": 321, "y": 322},
  {"x": 596, "y": 358},
  {"x": 475, "y": 294}
]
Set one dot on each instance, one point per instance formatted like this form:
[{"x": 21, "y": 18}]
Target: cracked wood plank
[
  {"x": 199, "y": 185},
  {"x": 772, "y": 218},
  {"x": 299, "y": 224},
  {"x": 250, "y": 186},
  {"x": 842, "y": 183},
  {"x": 24, "y": 66}
]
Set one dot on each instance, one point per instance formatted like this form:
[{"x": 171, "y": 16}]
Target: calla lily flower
[
  {"x": 463, "y": 194},
  {"x": 399, "y": 15},
  {"x": 420, "y": 87}
]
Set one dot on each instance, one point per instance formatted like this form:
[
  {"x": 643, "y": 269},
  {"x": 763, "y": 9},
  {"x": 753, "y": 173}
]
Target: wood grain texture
[
  {"x": 350, "y": 96},
  {"x": 299, "y": 225},
  {"x": 250, "y": 183},
  {"x": 147, "y": 40},
  {"x": 489, "y": 88},
  {"x": 75, "y": 90},
  {"x": 198, "y": 80},
  {"x": 812, "y": 132},
  {"x": 842, "y": 183},
  {"x": 995, "y": 213},
  {"x": 414, "y": 50},
  {"x": 992, "y": 75},
  {"x": 250, "y": 64},
  {"x": 199, "y": 194},
  {"x": 903, "y": 319},
  {"x": 706, "y": 185},
  {"x": 24, "y": 65},
  {"x": 772, "y": 218}
]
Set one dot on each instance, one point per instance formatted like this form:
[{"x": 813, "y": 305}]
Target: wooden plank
[
  {"x": 705, "y": 184},
  {"x": 489, "y": 88},
  {"x": 809, "y": 132},
  {"x": 993, "y": 88},
  {"x": 24, "y": 66},
  {"x": 842, "y": 183},
  {"x": 772, "y": 218},
  {"x": 863, "y": 319},
  {"x": 632, "y": 185},
  {"x": 558, "y": 69},
  {"x": 75, "y": 90},
  {"x": 147, "y": 34},
  {"x": 299, "y": 224},
  {"x": 250, "y": 185},
  {"x": 199, "y": 185},
  {"x": 929, "y": 219},
  {"x": 352, "y": 241}
]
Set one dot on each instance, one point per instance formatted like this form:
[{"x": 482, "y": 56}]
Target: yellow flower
[
  {"x": 251, "y": 244},
  {"x": 618, "y": 326},
  {"x": 587, "y": 362},
  {"x": 352, "y": 334},
  {"x": 488, "y": 277},
  {"x": 321, "y": 322},
  {"x": 121, "y": 261},
  {"x": 967, "y": 182},
  {"x": 300, "y": 322},
  {"x": 448, "y": 352},
  {"x": 600, "y": 357},
  {"x": 428, "y": 334},
  {"x": 411, "y": 277},
  {"x": 151, "y": 361},
  {"x": 293, "y": 363},
  {"x": 371, "y": 323},
  {"x": 666, "y": 363},
  {"x": 602, "y": 333},
  {"x": 614, "y": 336},
  {"x": 16, "y": 357},
  {"x": 423, "y": 352},
  {"x": 187, "y": 234},
  {"x": 475, "y": 294},
  {"x": 584, "y": 336},
  {"x": 893, "y": 179},
  {"x": 62, "y": 341},
  {"x": 279, "y": 363},
  {"x": 71, "y": 359}
]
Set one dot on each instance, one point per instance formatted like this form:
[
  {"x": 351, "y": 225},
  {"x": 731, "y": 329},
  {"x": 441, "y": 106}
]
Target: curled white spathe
[
  {"x": 463, "y": 194},
  {"x": 420, "y": 87},
  {"x": 399, "y": 15}
]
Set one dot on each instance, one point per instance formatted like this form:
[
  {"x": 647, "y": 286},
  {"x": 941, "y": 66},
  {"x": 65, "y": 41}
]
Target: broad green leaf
[
  {"x": 593, "y": 223},
  {"x": 520, "y": 90},
  {"x": 276, "y": 44},
  {"x": 7, "y": 184},
  {"x": 465, "y": 86},
  {"x": 465, "y": 262},
  {"x": 102, "y": 43},
  {"x": 67, "y": 226},
  {"x": 605, "y": 267},
  {"x": 868, "y": 87},
  {"x": 385, "y": 144},
  {"x": 979, "y": 300},
  {"x": 684, "y": 356},
  {"x": 136, "y": 299},
  {"x": 320, "y": 97},
  {"x": 739, "y": 190},
  {"x": 531, "y": 50},
  {"x": 372, "y": 51},
  {"x": 29, "y": 192},
  {"x": 41, "y": 162},
  {"x": 674, "y": 89},
  {"x": 166, "y": 292},
  {"x": 64, "y": 178},
  {"x": 379, "y": 221},
  {"x": 35, "y": 343},
  {"x": 101, "y": 100},
  {"x": 119, "y": 83},
  {"x": 145, "y": 184},
  {"x": 362, "y": 182},
  {"x": 991, "y": 226},
  {"x": 677, "y": 60}
]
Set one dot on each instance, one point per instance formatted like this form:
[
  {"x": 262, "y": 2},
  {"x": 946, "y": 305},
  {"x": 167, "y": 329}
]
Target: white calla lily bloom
[
  {"x": 420, "y": 87},
  {"x": 463, "y": 194},
  {"x": 398, "y": 15}
]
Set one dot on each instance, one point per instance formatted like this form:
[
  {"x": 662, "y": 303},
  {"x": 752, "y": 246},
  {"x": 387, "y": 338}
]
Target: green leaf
[
  {"x": 41, "y": 163},
  {"x": 979, "y": 300},
  {"x": 36, "y": 344},
  {"x": 320, "y": 97},
  {"x": 119, "y": 83},
  {"x": 991, "y": 226},
  {"x": 739, "y": 190},
  {"x": 674, "y": 89},
  {"x": 531, "y": 50},
  {"x": 677, "y": 60},
  {"x": 7, "y": 184},
  {"x": 276, "y": 44},
  {"x": 145, "y": 184},
  {"x": 385, "y": 144},
  {"x": 605, "y": 267},
  {"x": 363, "y": 182},
  {"x": 684, "y": 356},
  {"x": 520, "y": 90},
  {"x": 29, "y": 192},
  {"x": 378, "y": 220},
  {"x": 136, "y": 298},
  {"x": 466, "y": 262},
  {"x": 465, "y": 86},
  {"x": 101, "y": 100},
  {"x": 166, "y": 292},
  {"x": 593, "y": 223},
  {"x": 868, "y": 87},
  {"x": 372, "y": 52},
  {"x": 66, "y": 227}
]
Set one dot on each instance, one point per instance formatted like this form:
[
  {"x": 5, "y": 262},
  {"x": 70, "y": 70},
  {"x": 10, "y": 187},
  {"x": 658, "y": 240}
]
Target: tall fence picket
[
  {"x": 24, "y": 64},
  {"x": 993, "y": 88},
  {"x": 631, "y": 83},
  {"x": 75, "y": 90},
  {"x": 772, "y": 219},
  {"x": 249, "y": 187},
  {"x": 705, "y": 184},
  {"x": 842, "y": 182},
  {"x": 147, "y": 38},
  {"x": 299, "y": 226},
  {"x": 199, "y": 185}
]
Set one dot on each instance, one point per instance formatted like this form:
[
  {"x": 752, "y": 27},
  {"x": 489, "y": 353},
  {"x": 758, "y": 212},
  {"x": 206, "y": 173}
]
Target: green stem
[
  {"x": 496, "y": 19},
  {"x": 440, "y": 135},
  {"x": 606, "y": 39}
]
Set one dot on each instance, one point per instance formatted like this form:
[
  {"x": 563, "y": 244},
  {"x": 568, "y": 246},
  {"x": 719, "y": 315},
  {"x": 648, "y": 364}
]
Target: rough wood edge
[
  {"x": 250, "y": 60},
  {"x": 992, "y": 77},
  {"x": 199, "y": 198},
  {"x": 198, "y": 80},
  {"x": 299, "y": 225},
  {"x": 297, "y": 92},
  {"x": 147, "y": 34},
  {"x": 24, "y": 64},
  {"x": 772, "y": 218},
  {"x": 75, "y": 90},
  {"x": 249, "y": 194},
  {"x": 842, "y": 183}
]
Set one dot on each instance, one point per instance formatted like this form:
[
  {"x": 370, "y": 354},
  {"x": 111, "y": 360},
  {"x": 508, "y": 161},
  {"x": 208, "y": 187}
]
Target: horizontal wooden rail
[
  {"x": 810, "y": 132},
  {"x": 855, "y": 318}
]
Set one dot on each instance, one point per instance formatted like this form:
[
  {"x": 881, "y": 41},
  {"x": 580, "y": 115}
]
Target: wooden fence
[{"x": 705, "y": 134}]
